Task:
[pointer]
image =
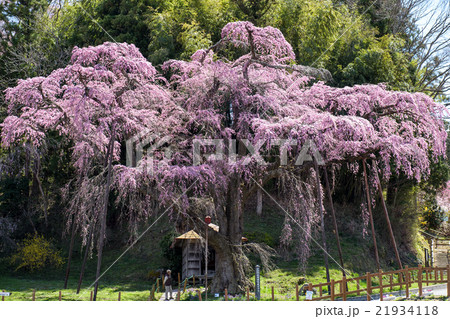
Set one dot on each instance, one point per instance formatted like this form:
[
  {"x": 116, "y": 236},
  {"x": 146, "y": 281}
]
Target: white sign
[
  {"x": 216, "y": 295},
  {"x": 5, "y": 294},
  {"x": 309, "y": 295}
]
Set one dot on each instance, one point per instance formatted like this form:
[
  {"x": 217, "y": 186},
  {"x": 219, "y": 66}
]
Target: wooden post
[
  {"x": 419, "y": 279},
  {"x": 322, "y": 222},
  {"x": 391, "y": 284},
  {"x": 69, "y": 259},
  {"x": 442, "y": 275},
  {"x": 436, "y": 276},
  {"x": 296, "y": 292},
  {"x": 92, "y": 293},
  {"x": 178, "y": 295},
  {"x": 3, "y": 297},
  {"x": 226, "y": 294},
  {"x": 332, "y": 290},
  {"x": 333, "y": 214},
  {"x": 118, "y": 298},
  {"x": 199, "y": 295},
  {"x": 358, "y": 287},
  {"x": 60, "y": 296},
  {"x": 426, "y": 277},
  {"x": 369, "y": 286},
  {"x": 273, "y": 294},
  {"x": 380, "y": 279},
  {"x": 369, "y": 208},
  {"x": 406, "y": 270},
  {"x": 386, "y": 215},
  {"x": 448, "y": 280},
  {"x": 344, "y": 288},
  {"x": 248, "y": 294},
  {"x": 33, "y": 295}
]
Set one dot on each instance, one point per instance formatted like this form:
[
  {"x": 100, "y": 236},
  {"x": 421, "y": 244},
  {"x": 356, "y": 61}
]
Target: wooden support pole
[
  {"x": 248, "y": 294},
  {"x": 369, "y": 286},
  {"x": 419, "y": 279},
  {"x": 273, "y": 294},
  {"x": 92, "y": 296},
  {"x": 332, "y": 290},
  {"x": 388, "y": 221},
  {"x": 297, "y": 297},
  {"x": 380, "y": 279},
  {"x": 60, "y": 296},
  {"x": 119, "y": 297},
  {"x": 199, "y": 295},
  {"x": 448, "y": 280},
  {"x": 3, "y": 297},
  {"x": 344, "y": 288},
  {"x": 369, "y": 208},
  {"x": 427, "y": 280},
  {"x": 333, "y": 214},
  {"x": 406, "y": 271},
  {"x": 358, "y": 287},
  {"x": 322, "y": 223},
  {"x": 33, "y": 295},
  {"x": 69, "y": 259},
  {"x": 178, "y": 295},
  {"x": 226, "y": 294},
  {"x": 391, "y": 279},
  {"x": 436, "y": 276}
]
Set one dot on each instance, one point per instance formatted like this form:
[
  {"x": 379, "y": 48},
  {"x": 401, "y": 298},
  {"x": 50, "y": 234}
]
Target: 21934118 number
[{"x": 405, "y": 310}]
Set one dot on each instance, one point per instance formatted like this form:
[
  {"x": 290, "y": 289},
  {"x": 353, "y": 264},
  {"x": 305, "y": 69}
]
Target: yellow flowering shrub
[{"x": 35, "y": 253}]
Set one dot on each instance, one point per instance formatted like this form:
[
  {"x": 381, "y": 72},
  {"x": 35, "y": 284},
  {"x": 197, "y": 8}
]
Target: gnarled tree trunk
[{"x": 230, "y": 259}]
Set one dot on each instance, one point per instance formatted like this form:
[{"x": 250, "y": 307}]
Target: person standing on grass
[{"x": 168, "y": 284}]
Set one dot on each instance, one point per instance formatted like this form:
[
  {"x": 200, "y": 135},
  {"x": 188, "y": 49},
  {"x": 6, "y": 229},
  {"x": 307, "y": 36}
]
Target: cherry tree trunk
[
  {"x": 227, "y": 243},
  {"x": 259, "y": 201}
]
